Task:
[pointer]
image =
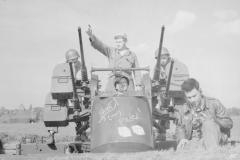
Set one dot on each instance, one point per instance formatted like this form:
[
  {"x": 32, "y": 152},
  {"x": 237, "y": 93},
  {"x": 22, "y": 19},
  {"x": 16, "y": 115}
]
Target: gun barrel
[
  {"x": 84, "y": 69},
  {"x": 75, "y": 97},
  {"x": 169, "y": 76},
  {"x": 157, "y": 67},
  {"x": 160, "y": 44},
  {"x": 72, "y": 77},
  {"x": 165, "y": 99}
]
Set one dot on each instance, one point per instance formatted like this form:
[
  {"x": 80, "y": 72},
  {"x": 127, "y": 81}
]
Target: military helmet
[
  {"x": 118, "y": 78},
  {"x": 164, "y": 52},
  {"x": 71, "y": 54}
]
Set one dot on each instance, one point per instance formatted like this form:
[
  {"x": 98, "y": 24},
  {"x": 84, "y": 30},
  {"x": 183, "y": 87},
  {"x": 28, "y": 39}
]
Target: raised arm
[{"x": 98, "y": 44}]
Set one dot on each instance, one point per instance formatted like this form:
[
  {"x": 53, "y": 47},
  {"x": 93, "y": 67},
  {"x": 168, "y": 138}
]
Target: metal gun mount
[{"x": 120, "y": 69}]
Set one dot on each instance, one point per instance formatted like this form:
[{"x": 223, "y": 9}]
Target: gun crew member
[
  {"x": 71, "y": 56},
  {"x": 164, "y": 60},
  {"x": 202, "y": 121},
  {"x": 119, "y": 57},
  {"x": 121, "y": 83}
]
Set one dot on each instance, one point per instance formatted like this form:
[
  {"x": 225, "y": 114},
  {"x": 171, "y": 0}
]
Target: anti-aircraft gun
[
  {"x": 119, "y": 123},
  {"x": 69, "y": 99},
  {"x": 164, "y": 99}
]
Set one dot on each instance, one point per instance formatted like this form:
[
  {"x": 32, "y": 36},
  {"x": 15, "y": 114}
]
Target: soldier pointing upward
[{"x": 119, "y": 57}]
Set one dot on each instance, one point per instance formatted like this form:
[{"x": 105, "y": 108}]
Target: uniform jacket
[
  {"x": 212, "y": 108},
  {"x": 128, "y": 60},
  {"x": 163, "y": 74}
]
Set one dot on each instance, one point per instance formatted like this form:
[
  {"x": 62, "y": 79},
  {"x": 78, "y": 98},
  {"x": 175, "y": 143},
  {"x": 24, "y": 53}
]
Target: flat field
[
  {"x": 226, "y": 152},
  {"x": 35, "y": 128},
  {"x": 40, "y": 129}
]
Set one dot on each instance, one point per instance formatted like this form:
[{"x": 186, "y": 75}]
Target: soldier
[
  {"x": 119, "y": 57},
  {"x": 71, "y": 56},
  {"x": 121, "y": 83},
  {"x": 202, "y": 121},
  {"x": 164, "y": 60}
]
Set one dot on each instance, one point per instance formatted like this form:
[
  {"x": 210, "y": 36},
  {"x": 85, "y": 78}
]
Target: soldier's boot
[{"x": 50, "y": 139}]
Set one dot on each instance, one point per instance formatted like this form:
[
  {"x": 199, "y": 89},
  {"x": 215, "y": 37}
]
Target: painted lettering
[
  {"x": 110, "y": 117},
  {"x": 128, "y": 119},
  {"x": 110, "y": 107}
]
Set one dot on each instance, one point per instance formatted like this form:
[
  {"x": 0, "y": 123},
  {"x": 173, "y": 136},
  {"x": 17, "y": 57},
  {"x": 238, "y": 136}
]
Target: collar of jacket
[
  {"x": 128, "y": 52},
  {"x": 188, "y": 106},
  {"x": 205, "y": 99}
]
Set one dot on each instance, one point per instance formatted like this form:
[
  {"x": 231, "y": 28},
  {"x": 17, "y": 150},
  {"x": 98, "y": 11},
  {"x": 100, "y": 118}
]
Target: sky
[{"x": 35, "y": 35}]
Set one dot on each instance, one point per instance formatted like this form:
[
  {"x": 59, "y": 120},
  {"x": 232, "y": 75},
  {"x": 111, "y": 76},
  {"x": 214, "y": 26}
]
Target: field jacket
[
  {"x": 127, "y": 60},
  {"x": 212, "y": 108}
]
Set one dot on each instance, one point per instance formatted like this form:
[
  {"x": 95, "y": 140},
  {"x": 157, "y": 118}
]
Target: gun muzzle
[
  {"x": 84, "y": 68},
  {"x": 157, "y": 69}
]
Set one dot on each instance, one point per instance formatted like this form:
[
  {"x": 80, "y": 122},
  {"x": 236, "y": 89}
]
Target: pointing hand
[{"x": 89, "y": 32}]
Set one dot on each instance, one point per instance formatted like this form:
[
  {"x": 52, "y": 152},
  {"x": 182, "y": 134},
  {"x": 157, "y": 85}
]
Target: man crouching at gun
[{"x": 202, "y": 121}]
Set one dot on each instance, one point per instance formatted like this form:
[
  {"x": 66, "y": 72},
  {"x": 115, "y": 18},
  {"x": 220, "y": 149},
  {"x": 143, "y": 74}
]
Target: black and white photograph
[{"x": 120, "y": 79}]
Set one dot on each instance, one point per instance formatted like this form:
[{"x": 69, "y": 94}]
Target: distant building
[
  {"x": 6, "y": 117},
  {"x": 33, "y": 116},
  {"x": 22, "y": 116},
  {"x": 19, "y": 116}
]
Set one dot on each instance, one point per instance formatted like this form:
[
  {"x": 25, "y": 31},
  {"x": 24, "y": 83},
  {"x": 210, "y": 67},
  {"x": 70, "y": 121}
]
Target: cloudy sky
[{"x": 34, "y": 36}]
